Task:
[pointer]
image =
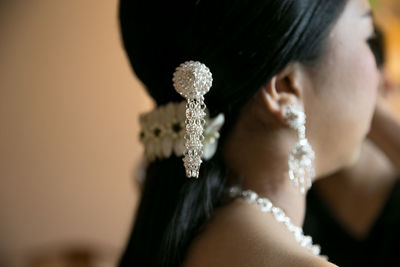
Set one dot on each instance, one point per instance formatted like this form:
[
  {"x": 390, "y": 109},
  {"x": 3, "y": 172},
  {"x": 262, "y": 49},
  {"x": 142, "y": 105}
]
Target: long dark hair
[{"x": 244, "y": 43}]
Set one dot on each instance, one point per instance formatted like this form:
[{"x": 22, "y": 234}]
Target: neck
[
  {"x": 371, "y": 171},
  {"x": 262, "y": 166},
  {"x": 283, "y": 195}
]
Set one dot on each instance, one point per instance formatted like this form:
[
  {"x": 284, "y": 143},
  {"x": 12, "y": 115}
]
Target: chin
[{"x": 348, "y": 160}]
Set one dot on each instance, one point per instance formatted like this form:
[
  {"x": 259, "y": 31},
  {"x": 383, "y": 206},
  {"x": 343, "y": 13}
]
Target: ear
[{"x": 285, "y": 88}]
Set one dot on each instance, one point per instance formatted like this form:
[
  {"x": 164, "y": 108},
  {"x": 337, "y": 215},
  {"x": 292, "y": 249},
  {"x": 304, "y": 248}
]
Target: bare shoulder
[{"x": 237, "y": 236}]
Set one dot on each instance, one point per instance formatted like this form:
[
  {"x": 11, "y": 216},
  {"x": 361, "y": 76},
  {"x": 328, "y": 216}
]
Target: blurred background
[{"x": 69, "y": 151}]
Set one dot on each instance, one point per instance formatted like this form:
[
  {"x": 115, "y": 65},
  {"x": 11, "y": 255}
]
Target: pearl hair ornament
[{"x": 193, "y": 80}]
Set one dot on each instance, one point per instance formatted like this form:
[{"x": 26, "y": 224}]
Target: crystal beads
[
  {"x": 193, "y": 80},
  {"x": 163, "y": 130},
  {"x": 266, "y": 206},
  {"x": 301, "y": 158}
]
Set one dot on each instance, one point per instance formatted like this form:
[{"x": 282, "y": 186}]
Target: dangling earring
[{"x": 301, "y": 158}]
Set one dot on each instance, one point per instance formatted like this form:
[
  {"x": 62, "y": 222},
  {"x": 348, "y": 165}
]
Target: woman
[{"x": 273, "y": 63}]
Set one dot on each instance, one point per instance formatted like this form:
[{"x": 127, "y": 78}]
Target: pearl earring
[{"x": 301, "y": 157}]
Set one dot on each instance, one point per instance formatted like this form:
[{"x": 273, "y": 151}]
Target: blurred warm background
[
  {"x": 68, "y": 138},
  {"x": 68, "y": 146}
]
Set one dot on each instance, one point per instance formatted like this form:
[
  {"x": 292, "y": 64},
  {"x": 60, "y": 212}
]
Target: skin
[
  {"x": 385, "y": 133},
  {"x": 339, "y": 109},
  {"x": 365, "y": 187}
]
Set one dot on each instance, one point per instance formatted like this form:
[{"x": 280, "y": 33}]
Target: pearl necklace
[{"x": 266, "y": 206}]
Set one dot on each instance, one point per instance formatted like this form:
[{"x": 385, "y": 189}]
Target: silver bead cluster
[
  {"x": 163, "y": 130},
  {"x": 266, "y": 206},
  {"x": 193, "y": 80},
  {"x": 301, "y": 158}
]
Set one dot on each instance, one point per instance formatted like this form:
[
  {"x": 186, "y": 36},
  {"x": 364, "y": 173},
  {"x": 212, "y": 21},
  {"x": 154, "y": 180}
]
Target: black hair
[
  {"x": 377, "y": 44},
  {"x": 244, "y": 44}
]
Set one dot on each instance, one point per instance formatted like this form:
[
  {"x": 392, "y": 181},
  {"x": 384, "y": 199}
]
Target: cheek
[
  {"x": 365, "y": 74},
  {"x": 357, "y": 87},
  {"x": 341, "y": 111}
]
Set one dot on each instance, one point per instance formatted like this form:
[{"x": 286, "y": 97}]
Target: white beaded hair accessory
[
  {"x": 193, "y": 80},
  {"x": 163, "y": 130},
  {"x": 301, "y": 158}
]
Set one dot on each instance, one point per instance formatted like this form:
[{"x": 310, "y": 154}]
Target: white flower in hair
[
  {"x": 211, "y": 135},
  {"x": 163, "y": 131}
]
